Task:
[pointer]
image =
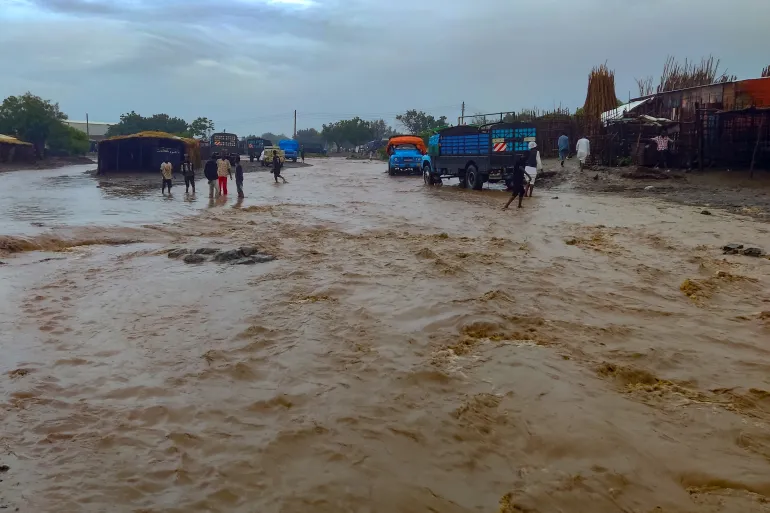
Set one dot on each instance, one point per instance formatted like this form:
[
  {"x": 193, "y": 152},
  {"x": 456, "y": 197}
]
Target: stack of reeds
[
  {"x": 601, "y": 92},
  {"x": 678, "y": 75}
]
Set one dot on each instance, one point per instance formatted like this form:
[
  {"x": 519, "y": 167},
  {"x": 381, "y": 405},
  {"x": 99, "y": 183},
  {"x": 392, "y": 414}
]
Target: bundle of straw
[
  {"x": 681, "y": 76},
  {"x": 601, "y": 92}
]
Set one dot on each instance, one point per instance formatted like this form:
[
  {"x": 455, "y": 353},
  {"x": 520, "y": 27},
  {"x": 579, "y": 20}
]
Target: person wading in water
[
  {"x": 277, "y": 167},
  {"x": 518, "y": 184},
  {"x": 210, "y": 172},
  {"x": 167, "y": 171},
  {"x": 189, "y": 175}
]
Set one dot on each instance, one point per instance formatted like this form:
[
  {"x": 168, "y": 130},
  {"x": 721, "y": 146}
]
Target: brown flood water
[{"x": 412, "y": 349}]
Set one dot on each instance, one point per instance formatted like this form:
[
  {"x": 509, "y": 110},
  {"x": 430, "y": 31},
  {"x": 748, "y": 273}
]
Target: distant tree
[
  {"x": 415, "y": 121},
  {"x": 381, "y": 130},
  {"x": 333, "y": 133},
  {"x": 64, "y": 139},
  {"x": 274, "y": 137},
  {"x": 200, "y": 127},
  {"x": 30, "y": 118},
  {"x": 309, "y": 136},
  {"x": 133, "y": 123}
]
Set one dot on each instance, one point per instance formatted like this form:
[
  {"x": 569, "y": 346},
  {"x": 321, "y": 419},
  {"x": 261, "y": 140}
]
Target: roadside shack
[
  {"x": 14, "y": 150},
  {"x": 146, "y": 151}
]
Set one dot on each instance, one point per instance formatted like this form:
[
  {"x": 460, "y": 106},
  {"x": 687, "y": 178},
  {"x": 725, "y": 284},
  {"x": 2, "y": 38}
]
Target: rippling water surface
[{"x": 411, "y": 349}]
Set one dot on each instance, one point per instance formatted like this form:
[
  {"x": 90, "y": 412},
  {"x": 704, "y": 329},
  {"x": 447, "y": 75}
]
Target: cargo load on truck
[
  {"x": 477, "y": 154},
  {"x": 225, "y": 145},
  {"x": 290, "y": 148}
]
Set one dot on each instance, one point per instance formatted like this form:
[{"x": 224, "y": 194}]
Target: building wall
[{"x": 96, "y": 130}]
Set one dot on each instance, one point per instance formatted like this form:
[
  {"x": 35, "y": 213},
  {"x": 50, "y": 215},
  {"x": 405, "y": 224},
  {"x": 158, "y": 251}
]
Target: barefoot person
[
  {"x": 518, "y": 184},
  {"x": 167, "y": 171},
  {"x": 224, "y": 169},
  {"x": 210, "y": 172},
  {"x": 277, "y": 167},
  {"x": 239, "y": 178},
  {"x": 189, "y": 175}
]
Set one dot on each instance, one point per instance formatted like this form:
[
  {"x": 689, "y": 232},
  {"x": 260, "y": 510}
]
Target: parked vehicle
[
  {"x": 405, "y": 154},
  {"x": 269, "y": 150},
  {"x": 313, "y": 148},
  {"x": 255, "y": 145},
  {"x": 225, "y": 145},
  {"x": 290, "y": 148},
  {"x": 477, "y": 154}
]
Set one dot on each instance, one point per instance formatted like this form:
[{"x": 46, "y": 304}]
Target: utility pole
[
  {"x": 462, "y": 116},
  {"x": 88, "y": 131},
  {"x": 295, "y": 123}
]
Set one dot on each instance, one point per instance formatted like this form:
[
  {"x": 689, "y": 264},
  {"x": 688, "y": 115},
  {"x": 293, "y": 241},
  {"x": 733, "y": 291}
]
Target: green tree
[
  {"x": 416, "y": 121},
  {"x": 200, "y": 127},
  {"x": 133, "y": 123},
  {"x": 309, "y": 136},
  {"x": 30, "y": 118},
  {"x": 64, "y": 139},
  {"x": 274, "y": 137},
  {"x": 380, "y": 130},
  {"x": 333, "y": 133},
  {"x": 356, "y": 131}
]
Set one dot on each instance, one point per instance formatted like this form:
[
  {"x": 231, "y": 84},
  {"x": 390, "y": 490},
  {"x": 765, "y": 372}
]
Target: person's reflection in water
[{"x": 239, "y": 203}]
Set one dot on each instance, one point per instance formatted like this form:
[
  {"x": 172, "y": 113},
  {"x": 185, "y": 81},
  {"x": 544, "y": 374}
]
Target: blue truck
[
  {"x": 405, "y": 154},
  {"x": 290, "y": 148},
  {"x": 476, "y": 154}
]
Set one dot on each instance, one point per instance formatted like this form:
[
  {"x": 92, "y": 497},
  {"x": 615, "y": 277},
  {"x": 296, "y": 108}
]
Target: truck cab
[
  {"x": 405, "y": 154},
  {"x": 290, "y": 148}
]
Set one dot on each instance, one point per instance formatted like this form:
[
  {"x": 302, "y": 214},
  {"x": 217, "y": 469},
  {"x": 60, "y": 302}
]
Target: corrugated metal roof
[{"x": 618, "y": 113}]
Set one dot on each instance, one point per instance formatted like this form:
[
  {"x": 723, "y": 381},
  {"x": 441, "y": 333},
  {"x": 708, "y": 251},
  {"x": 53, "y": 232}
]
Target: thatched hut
[
  {"x": 145, "y": 151},
  {"x": 14, "y": 150}
]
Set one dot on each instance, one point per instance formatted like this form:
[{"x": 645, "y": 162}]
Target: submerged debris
[{"x": 245, "y": 255}]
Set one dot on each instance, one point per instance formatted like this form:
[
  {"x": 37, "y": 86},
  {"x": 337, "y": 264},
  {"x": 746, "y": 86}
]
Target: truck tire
[
  {"x": 294, "y": 160},
  {"x": 426, "y": 175},
  {"x": 391, "y": 171},
  {"x": 474, "y": 179}
]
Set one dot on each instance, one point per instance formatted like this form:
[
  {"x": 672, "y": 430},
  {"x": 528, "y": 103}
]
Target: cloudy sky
[{"x": 247, "y": 64}]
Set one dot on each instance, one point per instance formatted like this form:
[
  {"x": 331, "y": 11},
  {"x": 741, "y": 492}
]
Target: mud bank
[
  {"x": 732, "y": 191},
  {"x": 411, "y": 349},
  {"x": 49, "y": 163}
]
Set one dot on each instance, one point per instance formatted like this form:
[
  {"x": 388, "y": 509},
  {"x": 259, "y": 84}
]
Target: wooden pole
[
  {"x": 699, "y": 134},
  {"x": 756, "y": 146}
]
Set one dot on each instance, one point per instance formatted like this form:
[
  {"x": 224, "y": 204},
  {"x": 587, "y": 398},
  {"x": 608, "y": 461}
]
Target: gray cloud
[{"x": 248, "y": 63}]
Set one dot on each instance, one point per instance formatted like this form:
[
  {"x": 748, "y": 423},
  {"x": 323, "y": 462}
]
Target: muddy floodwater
[{"x": 410, "y": 349}]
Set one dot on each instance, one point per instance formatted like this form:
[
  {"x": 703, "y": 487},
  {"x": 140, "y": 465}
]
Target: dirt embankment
[
  {"x": 733, "y": 191},
  {"x": 49, "y": 163}
]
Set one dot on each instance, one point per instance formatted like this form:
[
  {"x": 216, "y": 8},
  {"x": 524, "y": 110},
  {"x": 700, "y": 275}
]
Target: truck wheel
[
  {"x": 474, "y": 178},
  {"x": 426, "y": 175},
  {"x": 391, "y": 171}
]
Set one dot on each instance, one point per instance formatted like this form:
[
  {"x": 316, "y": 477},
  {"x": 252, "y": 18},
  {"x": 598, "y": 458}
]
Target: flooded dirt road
[{"x": 411, "y": 349}]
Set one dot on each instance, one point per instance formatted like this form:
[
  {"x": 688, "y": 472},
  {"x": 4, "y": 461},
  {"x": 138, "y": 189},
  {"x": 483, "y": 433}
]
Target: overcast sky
[{"x": 247, "y": 64}]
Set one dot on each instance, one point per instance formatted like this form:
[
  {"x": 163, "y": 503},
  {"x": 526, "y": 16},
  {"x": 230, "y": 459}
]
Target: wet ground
[{"x": 411, "y": 349}]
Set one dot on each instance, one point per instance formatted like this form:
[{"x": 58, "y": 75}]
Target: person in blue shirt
[{"x": 563, "y": 148}]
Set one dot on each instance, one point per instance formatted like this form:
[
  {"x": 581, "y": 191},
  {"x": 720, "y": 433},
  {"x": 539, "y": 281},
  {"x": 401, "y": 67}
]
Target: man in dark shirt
[
  {"x": 277, "y": 167},
  {"x": 517, "y": 182},
  {"x": 189, "y": 175},
  {"x": 239, "y": 178},
  {"x": 303, "y": 154},
  {"x": 210, "y": 172}
]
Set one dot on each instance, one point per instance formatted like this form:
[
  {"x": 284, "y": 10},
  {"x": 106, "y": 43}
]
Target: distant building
[{"x": 97, "y": 131}]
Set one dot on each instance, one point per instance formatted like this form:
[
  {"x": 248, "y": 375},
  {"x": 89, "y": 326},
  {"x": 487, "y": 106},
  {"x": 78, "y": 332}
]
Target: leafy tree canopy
[
  {"x": 30, "y": 118},
  {"x": 417, "y": 121}
]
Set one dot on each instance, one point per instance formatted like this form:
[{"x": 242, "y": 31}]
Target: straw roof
[
  {"x": 7, "y": 139},
  {"x": 154, "y": 135},
  {"x": 193, "y": 147}
]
